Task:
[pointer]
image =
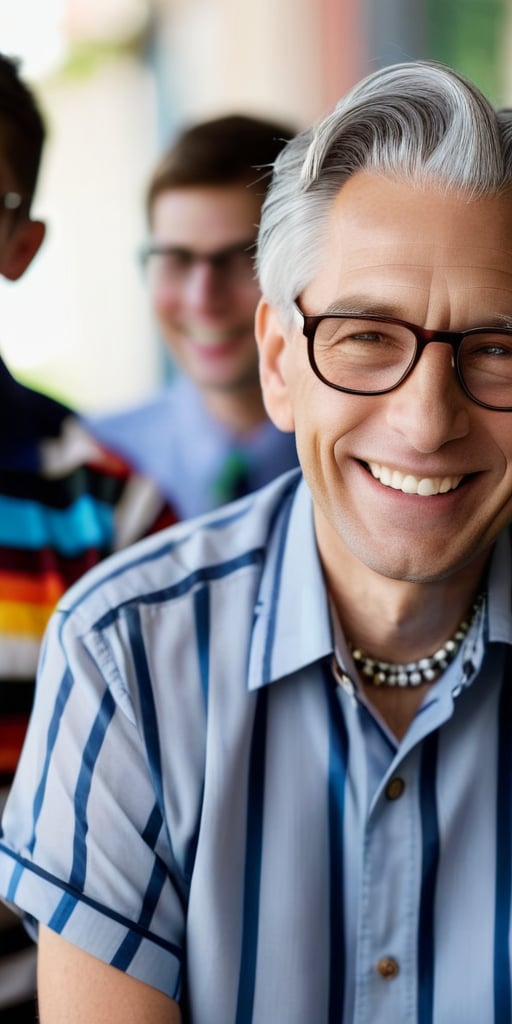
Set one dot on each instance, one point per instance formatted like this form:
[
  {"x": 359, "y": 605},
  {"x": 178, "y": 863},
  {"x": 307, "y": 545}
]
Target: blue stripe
[
  {"x": 146, "y": 553},
  {"x": 202, "y": 617},
  {"x": 81, "y": 897},
  {"x": 429, "y": 866},
  {"x": 204, "y": 575},
  {"x": 86, "y": 523},
  {"x": 283, "y": 521},
  {"x": 53, "y": 730},
  {"x": 502, "y": 985},
  {"x": 128, "y": 948},
  {"x": 83, "y": 788},
  {"x": 338, "y": 763},
  {"x": 152, "y": 738},
  {"x": 153, "y": 827},
  {"x": 253, "y": 855},
  {"x": 62, "y": 913}
]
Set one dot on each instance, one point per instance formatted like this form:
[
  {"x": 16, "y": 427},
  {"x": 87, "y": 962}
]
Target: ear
[
  {"x": 20, "y": 248},
  {"x": 274, "y": 353}
]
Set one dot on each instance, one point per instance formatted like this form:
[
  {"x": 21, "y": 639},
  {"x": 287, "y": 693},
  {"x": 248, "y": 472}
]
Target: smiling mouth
[
  {"x": 214, "y": 338},
  {"x": 426, "y": 486}
]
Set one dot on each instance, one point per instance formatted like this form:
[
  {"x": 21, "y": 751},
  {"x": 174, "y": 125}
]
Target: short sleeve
[{"x": 85, "y": 847}]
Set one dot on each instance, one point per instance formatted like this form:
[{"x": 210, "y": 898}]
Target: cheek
[
  {"x": 245, "y": 301},
  {"x": 333, "y": 429},
  {"x": 164, "y": 299}
]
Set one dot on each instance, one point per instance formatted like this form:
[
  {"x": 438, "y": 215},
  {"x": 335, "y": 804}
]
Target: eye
[
  {"x": 368, "y": 336},
  {"x": 355, "y": 333},
  {"x": 487, "y": 346},
  {"x": 176, "y": 260}
]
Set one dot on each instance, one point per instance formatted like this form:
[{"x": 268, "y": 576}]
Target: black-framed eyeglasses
[
  {"x": 234, "y": 262},
  {"x": 367, "y": 354}
]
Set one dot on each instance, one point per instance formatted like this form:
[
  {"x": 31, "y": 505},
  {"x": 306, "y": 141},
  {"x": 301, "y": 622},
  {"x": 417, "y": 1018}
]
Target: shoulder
[
  {"x": 170, "y": 566},
  {"x": 146, "y": 434}
]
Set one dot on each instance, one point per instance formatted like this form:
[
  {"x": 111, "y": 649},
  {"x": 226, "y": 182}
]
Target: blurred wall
[
  {"x": 78, "y": 324},
  {"x": 126, "y": 75}
]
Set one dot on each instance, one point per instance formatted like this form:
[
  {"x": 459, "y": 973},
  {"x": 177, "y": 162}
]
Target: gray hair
[{"x": 420, "y": 122}]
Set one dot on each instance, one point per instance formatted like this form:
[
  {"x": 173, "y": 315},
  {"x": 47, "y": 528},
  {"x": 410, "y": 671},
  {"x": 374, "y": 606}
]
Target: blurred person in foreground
[
  {"x": 268, "y": 776},
  {"x": 206, "y": 438},
  {"x": 64, "y": 502}
]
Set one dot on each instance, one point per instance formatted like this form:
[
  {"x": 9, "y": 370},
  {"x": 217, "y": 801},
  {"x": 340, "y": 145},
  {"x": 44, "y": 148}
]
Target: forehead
[
  {"x": 415, "y": 248},
  {"x": 205, "y": 217}
]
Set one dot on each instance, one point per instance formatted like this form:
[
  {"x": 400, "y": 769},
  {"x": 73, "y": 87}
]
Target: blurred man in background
[
  {"x": 206, "y": 438},
  {"x": 65, "y": 502}
]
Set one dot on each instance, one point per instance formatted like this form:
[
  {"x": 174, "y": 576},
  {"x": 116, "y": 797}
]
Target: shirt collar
[
  {"x": 292, "y": 626},
  {"x": 292, "y": 623},
  {"x": 499, "y": 591}
]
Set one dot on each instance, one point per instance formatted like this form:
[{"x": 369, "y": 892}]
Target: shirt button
[
  {"x": 395, "y": 788},
  {"x": 387, "y": 967}
]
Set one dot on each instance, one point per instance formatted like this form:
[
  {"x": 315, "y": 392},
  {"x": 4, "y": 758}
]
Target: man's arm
[{"x": 75, "y": 986}]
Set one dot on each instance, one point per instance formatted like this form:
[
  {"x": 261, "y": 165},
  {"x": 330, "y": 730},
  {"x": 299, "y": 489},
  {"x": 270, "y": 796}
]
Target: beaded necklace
[{"x": 413, "y": 673}]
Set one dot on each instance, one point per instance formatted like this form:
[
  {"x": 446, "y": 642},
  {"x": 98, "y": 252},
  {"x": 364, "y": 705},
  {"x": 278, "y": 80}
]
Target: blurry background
[{"x": 116, "y": 79}]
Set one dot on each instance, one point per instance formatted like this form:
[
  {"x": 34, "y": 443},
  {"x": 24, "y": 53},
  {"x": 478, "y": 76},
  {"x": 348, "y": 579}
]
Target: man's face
[
  {"x": 442, "y": 262},
  {"x": 205, "y": 308}
]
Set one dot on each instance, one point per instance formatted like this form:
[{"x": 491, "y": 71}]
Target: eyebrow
[
  {"x": 387, "y": 308},
  {"x": 364, "y": 304},
  {"x": 167, "y": 248}
]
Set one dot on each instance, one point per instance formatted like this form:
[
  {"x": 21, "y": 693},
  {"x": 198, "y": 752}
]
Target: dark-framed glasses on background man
[
  {"x": 369, "y": 354},
  {"x": 233, "y": 264}
]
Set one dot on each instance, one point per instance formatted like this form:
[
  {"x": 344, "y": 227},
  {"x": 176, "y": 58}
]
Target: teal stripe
[{"x": 87, "y": 523}]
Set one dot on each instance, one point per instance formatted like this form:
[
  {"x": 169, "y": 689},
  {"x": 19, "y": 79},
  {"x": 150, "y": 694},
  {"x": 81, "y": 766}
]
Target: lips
[{"x": 426, "y": 486}]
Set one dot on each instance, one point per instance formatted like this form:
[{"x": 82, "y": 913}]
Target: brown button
[
  {"x": 387, "y": 967},
  {"x": 395, "y": 788}
]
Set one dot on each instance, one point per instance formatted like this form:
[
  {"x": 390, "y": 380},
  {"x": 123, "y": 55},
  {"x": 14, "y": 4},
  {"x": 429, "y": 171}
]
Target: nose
[
  {"x": 430, "y": 408},
  {"x": 203, "y": 289}
]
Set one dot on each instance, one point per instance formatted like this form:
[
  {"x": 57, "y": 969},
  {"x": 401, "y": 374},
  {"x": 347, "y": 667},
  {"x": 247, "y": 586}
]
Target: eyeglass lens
[
  {"x": 174, "y": 264},
  {"x": 373, "y": 356}
]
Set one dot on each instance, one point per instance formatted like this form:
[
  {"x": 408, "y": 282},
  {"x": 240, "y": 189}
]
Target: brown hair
[
  {"x": 233, "y": 149},
  {"x": 22, "y": 129}
]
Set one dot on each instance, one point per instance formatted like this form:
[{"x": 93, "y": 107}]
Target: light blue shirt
[
  {"x": 196, "y": 461},
  {"x": 200, "y": 803}
]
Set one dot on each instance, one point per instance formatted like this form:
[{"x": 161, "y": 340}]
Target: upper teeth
[
  {"x": 410, "y": 484},
  {"x": 211, "y": 338}
]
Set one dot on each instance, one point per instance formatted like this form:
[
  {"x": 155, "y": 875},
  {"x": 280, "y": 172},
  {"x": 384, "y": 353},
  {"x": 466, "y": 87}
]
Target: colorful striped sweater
[{"x": 65, "y": 504}]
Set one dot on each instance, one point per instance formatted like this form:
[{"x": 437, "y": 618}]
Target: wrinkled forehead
[{"x": 389, "y": 241}]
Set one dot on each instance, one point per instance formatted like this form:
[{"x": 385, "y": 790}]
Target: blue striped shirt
[{"x": 201, "y": 804}]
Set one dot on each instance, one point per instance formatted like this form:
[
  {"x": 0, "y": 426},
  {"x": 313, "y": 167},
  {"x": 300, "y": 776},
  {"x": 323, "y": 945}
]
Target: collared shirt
[
  {"x": 200, "y": 803},
  {"x": 197, "y": 462}
]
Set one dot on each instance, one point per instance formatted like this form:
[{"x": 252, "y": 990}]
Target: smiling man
[
  {"x": 206, "y": 438},
  {"x": 269, "y": 772}
]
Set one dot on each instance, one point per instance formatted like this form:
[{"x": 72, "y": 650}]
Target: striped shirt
[{"x": 202, "y": 805}]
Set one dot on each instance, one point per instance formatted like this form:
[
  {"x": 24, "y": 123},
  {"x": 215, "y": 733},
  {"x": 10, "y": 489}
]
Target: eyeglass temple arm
[{"x": 298, "y": 316}]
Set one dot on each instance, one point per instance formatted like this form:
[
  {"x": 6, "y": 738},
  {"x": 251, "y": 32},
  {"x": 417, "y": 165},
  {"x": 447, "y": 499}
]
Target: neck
[
  {"x": 240, "y": 410},
  {"x": 398, "y": 620}
]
